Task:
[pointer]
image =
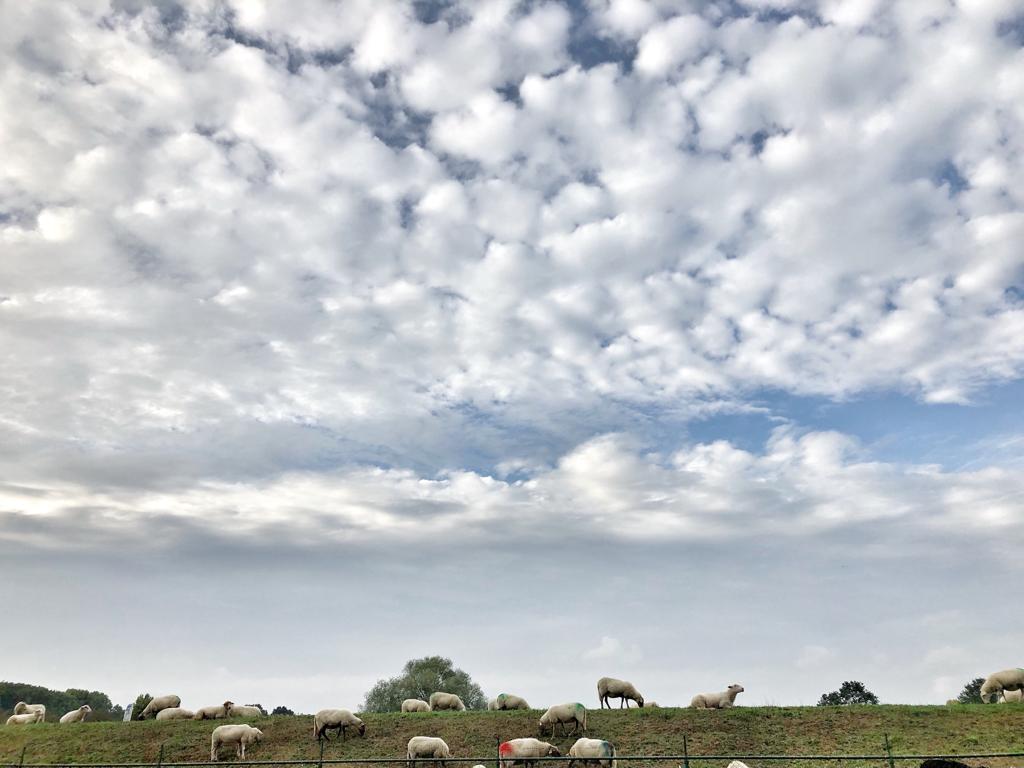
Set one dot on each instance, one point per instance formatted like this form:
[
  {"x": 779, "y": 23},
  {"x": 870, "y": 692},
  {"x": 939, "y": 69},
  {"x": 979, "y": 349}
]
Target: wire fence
[{"x": 886, "y": 759}]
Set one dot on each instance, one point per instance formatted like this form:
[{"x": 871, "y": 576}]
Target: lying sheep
[
  {"x": 214, "y": 713},
  {"x": 240, "y": 735},
  {"x": 996, "y": 683},
  {"x": 158, "y": 703},
  {"x": 21, "y": 708},
  {"x": 651, "y": 705},
  {"x": 1010, "y": 697},
  {"x": 721, "y": 700},
  {"x": 560, "y": 714},
  {"x": 509, "y": 701},
  {"x": 335, "y": 720},
  {"x": 427, "y": 748},
  {"x": 415, "y": 705},
  {"x": 441, "y": 700},
  {"x": 524, "y": 752},
  {"x": 593, "y": 752},
  {"x": 246, "y": 710},
  {"x": 26, "y": 719},
  {"x": 77, "y": 715},
  {"x": 623, "y": 690},
  {"x": 175, "y": 713}
]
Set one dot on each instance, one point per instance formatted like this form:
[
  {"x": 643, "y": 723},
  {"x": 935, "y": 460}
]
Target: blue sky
[{"x": 709, "y": 312}]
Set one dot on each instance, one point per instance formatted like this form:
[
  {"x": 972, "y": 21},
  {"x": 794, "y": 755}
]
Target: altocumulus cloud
[{"x": 377, "y": 273}]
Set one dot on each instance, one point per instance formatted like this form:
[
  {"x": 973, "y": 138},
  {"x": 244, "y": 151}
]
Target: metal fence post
[
  {"x": 686, "y": 753},
  {"x": 160, "y": 757},
  {"x": 21, "y": 761},
  {"x": 888, "y": 751},
  {"x": 497, "y": 751},
  {"x": 320, "y": 762}
]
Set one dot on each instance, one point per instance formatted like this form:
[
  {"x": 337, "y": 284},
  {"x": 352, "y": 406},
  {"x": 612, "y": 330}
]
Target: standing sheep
[
  {"x": 623, "y": 690},
  {"x": 175, "y": 713},
  {"x": 239, "y": 735},
  {"x": 440, "y": 700},
  {"x": 415, "y": 705},
  {"x": 560, "y": 714},
  {"x": 158, "y": 703},
  {"x": 996, "y": 683},
  {"x": 510, "y": 701},
  {"x": 26, "y": 719},
  {"x": 335, "y": 720},
  {"x": 721, "y": 700},
  {"x": 593, "y": 752},
  {"x": 21, "y": 708},
  {"x": 214, "y": 713},
  {"x": 427, "y": 748},
  {"x": 76, "y": 715},
  {"x": 524, "y": 752}
]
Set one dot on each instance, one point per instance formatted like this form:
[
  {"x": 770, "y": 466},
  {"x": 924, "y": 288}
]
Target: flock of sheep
[{"x": 1007, "y": 685}]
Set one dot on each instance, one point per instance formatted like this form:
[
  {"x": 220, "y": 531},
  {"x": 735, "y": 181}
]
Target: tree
[
  {"x": 140, "y": 704},
  {"x": 850, "y": 692},
  {"x": 419, "y": 679},
  {"x": 971, "y": 694},
  {"x": 282, "y": 711}
]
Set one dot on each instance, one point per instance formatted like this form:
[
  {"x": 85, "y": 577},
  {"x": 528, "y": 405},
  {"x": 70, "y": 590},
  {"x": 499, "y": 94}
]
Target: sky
[{"x": 681, "y": 342}]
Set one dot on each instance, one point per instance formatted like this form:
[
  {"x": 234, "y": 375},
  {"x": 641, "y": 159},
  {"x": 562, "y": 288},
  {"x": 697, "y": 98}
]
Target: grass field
[{"x": 743, "y": 730}]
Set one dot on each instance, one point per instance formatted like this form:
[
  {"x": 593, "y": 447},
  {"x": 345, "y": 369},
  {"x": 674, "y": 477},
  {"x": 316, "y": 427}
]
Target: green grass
[{"x": 743, "y": 730}]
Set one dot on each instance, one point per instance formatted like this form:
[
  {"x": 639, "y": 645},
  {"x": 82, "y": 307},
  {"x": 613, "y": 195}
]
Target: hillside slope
[{"x": 743, "y": 730}]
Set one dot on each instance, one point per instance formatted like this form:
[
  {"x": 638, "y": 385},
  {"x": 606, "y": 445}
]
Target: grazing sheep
[
  {"x": 239, "y": 735},
  {"x": 21, "y": 708},
  {"x": 214, "y": 713},
  {"x": 158, "y": 703},
  {"x": 509, "y": 701},
  {"x": 441, "y": 700},
  {"x": 721, "y": 700},
  {"x": 415, "y": 705},
  {"x": 492, "y": 704},
  {"x": 246, "y": 710},
  {"x": 25, "y": 719},
  {"x": 335, "y": 720},
  {"x": 623, "y": 690},
  {"x": 560, "y": 714},
  {"x": 175, "y": 713},
  {"x": 996, "y": 683},
  {"x": 593, "y": 752},
  {"x": 427, "y": 748},
  {"x": 1010, "y": 697},
  {"x": 77, "y": 715},
  {"x": 524, "y": 752}
]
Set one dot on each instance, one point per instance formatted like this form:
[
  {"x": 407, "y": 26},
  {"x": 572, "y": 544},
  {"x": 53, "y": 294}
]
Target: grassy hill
[{"x": 743, "y": 730}]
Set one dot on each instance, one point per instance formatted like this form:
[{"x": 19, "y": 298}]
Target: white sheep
[
  {"x": 625, "y": 691},
  {"x": 1009, "y": 697},
  {"x": 77, "y": 715},
  {"x": 427, "y": 748},
  {"x": 246, "y": 710},
  {"x": 240, "y": 735},
  {"x": 415, "y": 705},
  {"x": 737, "y": 764},
  {"x": 175, "y": 713},
  {"x": 214, "y": 713},
  {"x": 651, "y": 705},
  {"x": 21, "y": 708},
  {"x": 593, "y": 752},
  {"x": 440, "y": 700},
  {"x": 492, "y": 704},
  {"x": 158, "y": 703},
  {"x": 510, "y": 701},
  {"x": 524, "y": 752},
  {"x": 560, "y": 714},
  {"x": 25, "y": 719},
  {"x": 997, "y": 682},
  {"x": 722, "y": 700},
  {"x": 336, "y": 720}
]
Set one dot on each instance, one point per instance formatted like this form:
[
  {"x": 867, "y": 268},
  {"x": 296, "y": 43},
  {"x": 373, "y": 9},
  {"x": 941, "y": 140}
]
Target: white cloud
[{"x": 613, "y": 649}]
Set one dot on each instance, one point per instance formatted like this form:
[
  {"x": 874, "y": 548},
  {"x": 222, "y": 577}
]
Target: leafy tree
[
  {"x": 850, "y": 692},
  {"x": 140, "y": 704},
  {"x": 971, "y": 694},
  {"x": 58, "y": 702},
  {"x": 419, "y": 679},
  {"x": 282, "y": 711}
]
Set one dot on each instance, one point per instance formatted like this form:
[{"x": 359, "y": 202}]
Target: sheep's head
[
  {"x": 640, "y": 700},
  {"x": 989, "y": 691},
  {"x": 362, "y": 729},
  {"x": 86, "y": 708},
  {"x": 20, "y": 707},
  {"x": 542, "y": 724},
  {"x": 736, "y": 688},
  {"x": 553, "y": 751},
  {"x": 256, "y": 734}
]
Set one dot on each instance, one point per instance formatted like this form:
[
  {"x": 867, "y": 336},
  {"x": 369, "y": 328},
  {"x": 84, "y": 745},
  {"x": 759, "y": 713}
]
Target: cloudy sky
[{"x": 676, "y": 341}]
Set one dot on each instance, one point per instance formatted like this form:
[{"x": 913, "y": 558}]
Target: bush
[
  {"x": 971, "y": 694},
  {"x": 419, "y": 679},
  {"x": 850, "y": 692}
]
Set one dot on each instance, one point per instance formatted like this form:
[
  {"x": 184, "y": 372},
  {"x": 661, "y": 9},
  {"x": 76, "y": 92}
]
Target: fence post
[
  {"x": 21, "y": 761},
  {"x": 497, "y": 751},
  {"x": 160, "y": 757},
  {"x": 320, "y": 762},
  {"x": 888, "y": 751},
  {"x": 686, "y": 753}
]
